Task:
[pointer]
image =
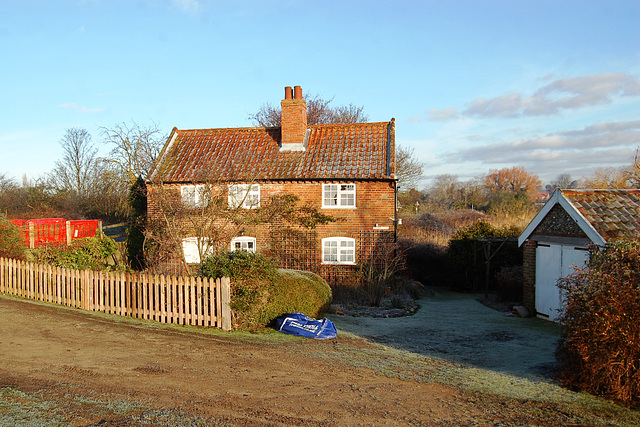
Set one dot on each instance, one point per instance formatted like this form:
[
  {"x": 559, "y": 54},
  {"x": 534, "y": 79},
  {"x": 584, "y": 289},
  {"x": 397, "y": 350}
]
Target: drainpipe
[{"x": 395, "y": 211}]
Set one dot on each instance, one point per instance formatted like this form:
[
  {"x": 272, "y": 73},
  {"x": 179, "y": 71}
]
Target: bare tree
[
  {"x": 133, "y": 149},
  {"x": 76, "y": 170},
  {"x": 632, "y": 173},
  {"x": 348, "y": 114},
  {"x": 444, "y": 189},
  {"x": 7, "y": 183},
  {"x": 408, "y": 168},
  {"x": 607, "y": 178},
  {"x": 319, "y": 112},
  {"x": 564, "y": 180}
]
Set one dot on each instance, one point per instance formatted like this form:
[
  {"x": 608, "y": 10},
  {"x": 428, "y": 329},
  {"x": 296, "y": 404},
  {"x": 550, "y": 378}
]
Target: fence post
[
  {"x": 226, "y": 303},
  {"x": 2, "y": 284},
  {"x": 100, "y": 227},
  {"x": 32, "y": 235},
  {"x": 69, "y": 232}
]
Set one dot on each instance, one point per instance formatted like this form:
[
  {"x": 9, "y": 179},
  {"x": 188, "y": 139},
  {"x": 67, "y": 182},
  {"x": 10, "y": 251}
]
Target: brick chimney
[{"x": 293, "y": 120}]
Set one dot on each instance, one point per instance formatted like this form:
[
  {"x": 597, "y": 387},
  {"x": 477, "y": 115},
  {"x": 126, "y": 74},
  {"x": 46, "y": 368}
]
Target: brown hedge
[{"x": 600, "y": 350}]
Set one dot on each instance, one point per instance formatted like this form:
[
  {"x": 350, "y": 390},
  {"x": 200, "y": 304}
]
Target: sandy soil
[{"x": 65, "y": 367}]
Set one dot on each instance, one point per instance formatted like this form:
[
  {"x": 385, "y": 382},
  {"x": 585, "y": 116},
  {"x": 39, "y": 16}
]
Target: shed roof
[
  {"x": 354, "y": 151},
  {"x": 603, "y": 214}
]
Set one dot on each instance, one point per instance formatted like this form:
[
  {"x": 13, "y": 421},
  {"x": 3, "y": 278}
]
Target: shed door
[{"x": 554, "y": 261}]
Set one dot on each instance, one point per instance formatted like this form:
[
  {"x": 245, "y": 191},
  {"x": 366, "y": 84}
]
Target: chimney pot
[
  {"x": 288, "y": 92},
  {"x": 298, "y": 92}
]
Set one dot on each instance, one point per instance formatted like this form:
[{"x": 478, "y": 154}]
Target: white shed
[{"x": 558, "y": 237}]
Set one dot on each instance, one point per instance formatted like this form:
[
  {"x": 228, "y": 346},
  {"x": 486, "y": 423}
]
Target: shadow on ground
[{"x": 458, "y": 328}]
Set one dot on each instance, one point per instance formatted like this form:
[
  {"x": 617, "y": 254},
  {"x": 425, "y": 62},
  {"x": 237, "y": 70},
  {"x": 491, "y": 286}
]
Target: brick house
[
  {"x": 344, "y": 170},
  {"x": 558, "y": 237}
]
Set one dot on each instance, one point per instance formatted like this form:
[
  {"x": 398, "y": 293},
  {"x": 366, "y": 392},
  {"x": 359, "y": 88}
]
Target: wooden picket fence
[{"x": 184, "y": 300}]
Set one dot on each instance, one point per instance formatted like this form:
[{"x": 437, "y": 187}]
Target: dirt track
[{"x": 66, "y": 367}]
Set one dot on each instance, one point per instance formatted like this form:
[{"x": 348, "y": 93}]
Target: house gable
[
  {"x": 558, "y": 199},
  {"x": 558, "y": 223}
]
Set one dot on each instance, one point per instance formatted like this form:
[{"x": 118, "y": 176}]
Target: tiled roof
[
  {"x": 340, "y": 151},
  {"x": 613, "y": 213}
]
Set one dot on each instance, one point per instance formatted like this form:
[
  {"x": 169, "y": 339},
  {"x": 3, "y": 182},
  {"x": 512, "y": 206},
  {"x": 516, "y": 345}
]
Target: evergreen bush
[
  {"x": 136, "y": 226},
  {"x": 260, "y": 292},
  {"x": 89, "y": 253},
  {"x": 600, "y": 349},
  {"x": 11, "y": 245}
]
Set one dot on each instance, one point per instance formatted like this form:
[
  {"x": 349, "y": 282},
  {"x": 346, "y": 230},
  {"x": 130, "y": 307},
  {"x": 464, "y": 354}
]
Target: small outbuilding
[{"x": 558, "y": 238}]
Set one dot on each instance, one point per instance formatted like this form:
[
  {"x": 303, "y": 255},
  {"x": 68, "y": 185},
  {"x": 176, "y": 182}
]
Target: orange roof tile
[
  {"x": 339, "y": 151},
  {"x": 613, "y": 213}
]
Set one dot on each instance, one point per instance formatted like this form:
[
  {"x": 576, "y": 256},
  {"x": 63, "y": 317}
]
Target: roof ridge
[
  {"x": 350, "y": 124},
  {"x": 594, "y": 190},
  {"x": 262, "y": 128},
  {"x": 245, "y": 128}
]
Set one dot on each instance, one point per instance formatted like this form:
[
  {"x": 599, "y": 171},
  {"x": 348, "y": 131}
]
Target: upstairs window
[
  {"x": 194, "y": 196},
  {"x": 246, "y": 196},
  {"x": 243, "y": 243},
  {"x": 338, "y": 195},
  {"x": 338, "y": 250}
]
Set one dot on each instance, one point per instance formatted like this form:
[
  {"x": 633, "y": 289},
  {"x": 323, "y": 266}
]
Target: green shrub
[
  {"x": 600, "y": 351},
  {"x": 11, "y": 245},
  {"x": 137, "y": 201},
  {"x": 239, "y": 265},
  {"x": 260, "y": 293},
  {"x": 90, "y": 253}
]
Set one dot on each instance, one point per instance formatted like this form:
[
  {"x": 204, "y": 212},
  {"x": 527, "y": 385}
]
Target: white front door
[{"x": 554, "y": 261}]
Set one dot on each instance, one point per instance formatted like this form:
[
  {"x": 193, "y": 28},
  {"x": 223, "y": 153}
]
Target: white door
[{"x": 554, "y": 261}]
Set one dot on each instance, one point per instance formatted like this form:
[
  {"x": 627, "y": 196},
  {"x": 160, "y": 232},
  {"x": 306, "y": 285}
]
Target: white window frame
[
  {"x": 246, "y": 243},
  {"x": 193, "y": 195},
  {"x": 336, "y": 195},
  {"x": 339, "y": 250},
  {"x": 190, "y": 249},
  {"x": 246, "y": 196}
]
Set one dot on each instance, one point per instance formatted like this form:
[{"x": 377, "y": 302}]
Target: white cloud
[
  {"x": 549, "y": 100},
  {"x": 578, "y": 152},
  {"x": 579, "y": 92},
  {"x": 80, "y": 109},
  {"x": 448, "y": 113},
  {"x": 507, "y": 105},
  {"x": 590, "y": 139}
]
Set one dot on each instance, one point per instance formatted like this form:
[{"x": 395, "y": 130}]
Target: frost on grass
[
  {"x": 21, "y": 409},
  {"x": 408, "y": 366}
]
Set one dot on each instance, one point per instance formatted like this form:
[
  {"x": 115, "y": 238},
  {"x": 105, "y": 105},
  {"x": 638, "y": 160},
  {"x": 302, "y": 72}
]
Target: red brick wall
[
  {"x": 374, "y": 209},
  {"x": 529, "y": 273},
  {"x": 293, "y": 120}
]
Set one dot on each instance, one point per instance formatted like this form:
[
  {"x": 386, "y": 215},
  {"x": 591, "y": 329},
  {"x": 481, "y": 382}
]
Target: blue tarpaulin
[{"x": 304, "y": 326}]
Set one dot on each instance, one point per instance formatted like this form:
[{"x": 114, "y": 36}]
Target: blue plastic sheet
[{"x": 301, "y": 325}]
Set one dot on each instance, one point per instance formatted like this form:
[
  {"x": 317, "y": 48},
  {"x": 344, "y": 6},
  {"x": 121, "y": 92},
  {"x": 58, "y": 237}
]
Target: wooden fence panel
[{"x": 167, "y": 299}]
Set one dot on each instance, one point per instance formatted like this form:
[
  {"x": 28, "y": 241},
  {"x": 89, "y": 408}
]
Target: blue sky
[{"x": 553, "y": 86}]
